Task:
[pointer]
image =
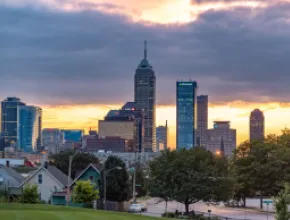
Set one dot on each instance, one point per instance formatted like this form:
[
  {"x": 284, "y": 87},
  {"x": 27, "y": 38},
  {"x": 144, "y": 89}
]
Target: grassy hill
[{"x": 47, "y": 212}]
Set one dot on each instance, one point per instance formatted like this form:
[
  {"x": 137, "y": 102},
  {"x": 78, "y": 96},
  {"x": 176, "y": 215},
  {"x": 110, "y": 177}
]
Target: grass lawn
[{"x": 47, "y": 212}]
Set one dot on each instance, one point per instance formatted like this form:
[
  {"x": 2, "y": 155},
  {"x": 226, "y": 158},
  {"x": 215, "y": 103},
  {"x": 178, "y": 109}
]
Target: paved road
[{"x": 157, "y": 210}]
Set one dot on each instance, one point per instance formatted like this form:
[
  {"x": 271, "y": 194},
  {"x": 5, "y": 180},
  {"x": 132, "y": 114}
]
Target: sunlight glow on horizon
[{"x": 87, "y": 116}]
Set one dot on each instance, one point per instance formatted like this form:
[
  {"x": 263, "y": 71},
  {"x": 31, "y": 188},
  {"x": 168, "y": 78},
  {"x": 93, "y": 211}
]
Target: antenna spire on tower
[{"x": 145, "y": 49}]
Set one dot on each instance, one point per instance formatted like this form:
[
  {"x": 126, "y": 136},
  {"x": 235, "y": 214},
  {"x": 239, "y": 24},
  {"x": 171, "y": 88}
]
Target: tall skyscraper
[
  {"x": 145, "y": 99},
  {"x": 221, "y": 138},
  {"x": 257, "y": 126},
  {"x": 161, "y": 137},
  {"x": 9, "y": 119},
  {"x": 29, "y": 128},
  {"x": 202, "y": 120},
  {"x": 186, "y": 114}
]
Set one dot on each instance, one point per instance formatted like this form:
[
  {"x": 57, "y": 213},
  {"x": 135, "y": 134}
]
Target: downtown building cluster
[{"x": 130, "y": 129}]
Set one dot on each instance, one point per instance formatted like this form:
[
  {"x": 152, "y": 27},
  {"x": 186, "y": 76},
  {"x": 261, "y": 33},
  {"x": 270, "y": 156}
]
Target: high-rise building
[
  {"x": 257, "y": 126},
  {"x": 186, "y": 114},
  {"x": 9, "y": 119},
  {"x": 161, "y": 137},
  {"x": 145, "y": 99},
  {"x": 202, "y": 120},
  {"x": 221, "y": 138},
  {"x": 29, "y": 128}
]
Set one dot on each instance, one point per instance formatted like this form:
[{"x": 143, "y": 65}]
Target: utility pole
[
  {"x": 105, "y": 190},
  {"x": 134, "y": 185},
  {"x": 68, "y": 180}
]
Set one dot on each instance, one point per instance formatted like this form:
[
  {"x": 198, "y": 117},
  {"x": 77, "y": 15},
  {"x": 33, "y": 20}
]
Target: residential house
[
  {"x": 9, "y": 178},
  {"x": 91, "y": 172},
  {"x": 49, "y": 180}
]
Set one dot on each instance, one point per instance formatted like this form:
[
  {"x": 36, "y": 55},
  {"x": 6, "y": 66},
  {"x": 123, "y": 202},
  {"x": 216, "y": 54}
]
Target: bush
[
  {"x": 169, "y": 215},
  {"x": 30, "y": 194},
  {"x": 193, "y": 216}
]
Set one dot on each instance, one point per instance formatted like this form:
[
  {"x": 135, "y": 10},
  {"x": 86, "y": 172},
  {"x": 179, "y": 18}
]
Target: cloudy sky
[{"x": 76, "y": 58}]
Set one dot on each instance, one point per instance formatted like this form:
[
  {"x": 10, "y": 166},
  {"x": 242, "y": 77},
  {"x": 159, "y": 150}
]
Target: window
[
  {"x": 40, "y": 179},
  {"x": 91, "y": 178}
]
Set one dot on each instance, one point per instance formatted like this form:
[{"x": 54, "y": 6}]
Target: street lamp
[
  {"x": 218, "y": 153},
  {"x": 105, "y": 183}
]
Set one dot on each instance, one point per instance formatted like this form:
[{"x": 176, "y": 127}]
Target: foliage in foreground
[
  {"x": 190, "y": 176},
  {"x": 281, "y": 203},
  {"x": 261, "y": 167},
  {"x": 85, "y": 192},
  {"x": 30, "y": 194},
  {"x": 118, "y": 188}
]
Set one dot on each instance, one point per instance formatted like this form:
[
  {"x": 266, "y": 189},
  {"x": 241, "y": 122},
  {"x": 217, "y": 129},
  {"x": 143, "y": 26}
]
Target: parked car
[
  {"x": 135, "y": 208},
  {"x": 144, "y": 207}
]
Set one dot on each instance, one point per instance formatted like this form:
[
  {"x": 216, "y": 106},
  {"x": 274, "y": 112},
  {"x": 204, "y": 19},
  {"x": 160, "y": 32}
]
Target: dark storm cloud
[{"x": 89, "y": 57}]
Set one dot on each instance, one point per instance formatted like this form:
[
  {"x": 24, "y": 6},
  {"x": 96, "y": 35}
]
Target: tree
[
  {"x": 30, "y": 194},
  {"x": 262, "y": 167},
  {"x": 281, "y": 203},
  {"x": 85, "y": 192},
  {"x": 240, "y": 171},
  {"x": 117, "y": 181},
  {"x": 80, "y": 161},
  {"x": 141, "y": 181},
  {"x": 189, "y": 176},
  {"x": 161, "y": 183}
]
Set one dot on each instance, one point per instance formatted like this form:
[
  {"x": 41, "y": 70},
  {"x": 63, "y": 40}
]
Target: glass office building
[
  {"x": 72, "y": 135},
  {"x": 186, "y": 114},
  {"x": 9, "y": 119},
  {"x": 29, "y": 129}
]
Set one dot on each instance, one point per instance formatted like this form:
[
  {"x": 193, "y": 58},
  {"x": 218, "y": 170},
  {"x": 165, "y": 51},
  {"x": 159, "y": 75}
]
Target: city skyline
[{"x": 237, "y": 55}]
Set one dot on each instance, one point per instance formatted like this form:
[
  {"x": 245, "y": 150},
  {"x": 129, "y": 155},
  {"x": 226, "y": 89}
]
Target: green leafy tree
[
  {"x": 118, "y": 187},
  {"x": 85, "y": 192},
  {"x": 190, "y": 176},
  {"x": 240, "y": 171},
  {"x": 281, "y": 203},
  {"x": 262, "y": 167},
  {"x": 161, "y": 183},
  {"x": 141, "y": 181},
  {"x": 80, "y": 161},
  {"x": 30, "y": 194}
]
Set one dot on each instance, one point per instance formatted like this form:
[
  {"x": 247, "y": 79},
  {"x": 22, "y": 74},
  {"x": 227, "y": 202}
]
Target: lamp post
[{"x": 105, "y": 184}]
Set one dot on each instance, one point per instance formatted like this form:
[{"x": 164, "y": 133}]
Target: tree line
[{"x": 259, "y": 168}]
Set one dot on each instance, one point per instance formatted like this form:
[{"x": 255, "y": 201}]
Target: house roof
[
  {"x": 58, "y": 175},
  {"x": 96, "y": 167},
  {"x": 13, "y": 173}
]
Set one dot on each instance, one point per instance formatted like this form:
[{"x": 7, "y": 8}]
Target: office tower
[
  {"x": 29, "y": 128},
  {"x": 9, "y": 119},
  {"x": 161, "y": 137},
  {"x": 125, "y": 123},
  {"x": 186, "y": 114},
  {"x": 52, "y": 140},
  {"x": 202, "y": 120},
  {"x": 145, "y": 99},
  {"x": 257, "y": 127},
  {"x": 221, "y": 138}
]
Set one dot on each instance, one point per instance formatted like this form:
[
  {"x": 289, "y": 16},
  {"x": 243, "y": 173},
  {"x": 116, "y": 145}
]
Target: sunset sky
[{"x": 76, "y": 58}]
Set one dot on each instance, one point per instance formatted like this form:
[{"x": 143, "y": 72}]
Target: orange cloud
[{"x": 161, "y": 11}]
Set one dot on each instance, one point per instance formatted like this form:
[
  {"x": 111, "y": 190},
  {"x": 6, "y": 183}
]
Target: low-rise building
[{"x": 221, "y": 138}]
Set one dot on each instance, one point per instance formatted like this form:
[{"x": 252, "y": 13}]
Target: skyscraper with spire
[{"x": 145, "y": 99}]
